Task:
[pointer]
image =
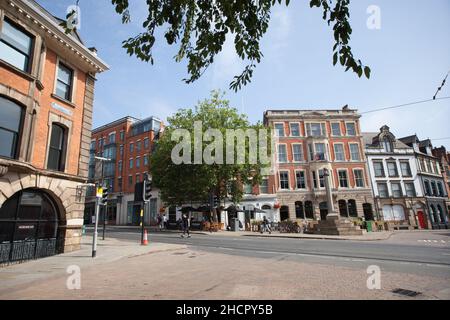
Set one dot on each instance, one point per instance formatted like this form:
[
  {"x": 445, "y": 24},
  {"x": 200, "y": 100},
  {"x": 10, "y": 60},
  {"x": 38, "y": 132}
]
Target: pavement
[{"x": 109, "y": 251}]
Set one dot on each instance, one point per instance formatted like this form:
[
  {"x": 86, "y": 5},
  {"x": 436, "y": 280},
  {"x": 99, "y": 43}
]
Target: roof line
[
  {"x": 115, "y": 122},
  {"x": 48, "y": 21}
]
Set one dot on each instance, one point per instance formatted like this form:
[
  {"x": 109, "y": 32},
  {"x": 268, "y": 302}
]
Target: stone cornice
[
  {"x": 42, "y": 20},
  {"x": 309, "y": 117},
  {"x": 22, "y": 167}
]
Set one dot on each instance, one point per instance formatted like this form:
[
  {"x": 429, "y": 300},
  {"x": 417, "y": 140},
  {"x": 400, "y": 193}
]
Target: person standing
[
  {"x": 165, "y": 221},
  {"x": 160, "y": 222},
  {"x": 305, "y": 226},
  {"x": 185, "y": 224},
  {"x": 210, "y": 223}
]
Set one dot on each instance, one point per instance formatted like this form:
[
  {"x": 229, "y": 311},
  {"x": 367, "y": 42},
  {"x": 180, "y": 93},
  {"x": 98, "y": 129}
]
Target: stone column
[{"x": 332, "y": 214}]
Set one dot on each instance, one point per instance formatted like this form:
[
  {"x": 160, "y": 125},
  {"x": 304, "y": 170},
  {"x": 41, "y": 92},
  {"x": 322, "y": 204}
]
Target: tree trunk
[{"x": 214, "y": 215}]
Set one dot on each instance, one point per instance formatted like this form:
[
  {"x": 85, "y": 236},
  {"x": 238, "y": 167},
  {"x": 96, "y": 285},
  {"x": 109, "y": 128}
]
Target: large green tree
[
  {"x": 183, "y": 183},
  {"x": 200, "y": 28}
]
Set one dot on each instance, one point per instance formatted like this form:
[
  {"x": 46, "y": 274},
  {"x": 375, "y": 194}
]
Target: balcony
[{"x": 318, "y": 156}]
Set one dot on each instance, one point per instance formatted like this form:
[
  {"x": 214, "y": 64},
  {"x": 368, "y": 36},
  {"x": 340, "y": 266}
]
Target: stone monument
[{"x": 333, "y": 225}]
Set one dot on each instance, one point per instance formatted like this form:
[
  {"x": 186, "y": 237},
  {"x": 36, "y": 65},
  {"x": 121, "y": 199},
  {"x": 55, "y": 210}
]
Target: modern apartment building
[
  {"x": 397, "y": 187},
  {"x": 309, "y": 141},
  {"x": 432, "y": 181},
  {"x": 128, "y": 144},
  {"x": 47, "y": 82}
]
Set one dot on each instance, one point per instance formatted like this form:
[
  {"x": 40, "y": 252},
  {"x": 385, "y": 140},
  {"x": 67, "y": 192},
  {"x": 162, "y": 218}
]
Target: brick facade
[
  {"x": 34, "y": 90},
  {"x": 316, "y": 152},
  {"x": 129, "y": 151}
]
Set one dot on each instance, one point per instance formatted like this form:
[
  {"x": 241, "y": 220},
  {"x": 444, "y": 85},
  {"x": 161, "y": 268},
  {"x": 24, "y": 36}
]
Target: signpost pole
[
  {"x": 142, "y": 222},
  {"x": 94, "y": 243}
]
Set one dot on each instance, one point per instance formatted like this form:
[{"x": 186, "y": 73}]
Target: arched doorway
[
  {"x": 323, "y": 210},
  {"x": 309, "y": 210},
  {"x": 284, "y": 213},
  {"x": 422, "y": 219},
  {"x": 434, "y": 215},
  {"x": 441, "y": 213},
  {"x": 30, "y": 227},
  {"x": 299, "y": 211},
  {"x": 343, "y": 210},
  {"x": 368, "y": 212},
  {"x": 352, "y": 210}
]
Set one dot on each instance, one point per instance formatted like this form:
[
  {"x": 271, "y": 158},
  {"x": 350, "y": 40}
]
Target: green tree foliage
[
  {"x": 200, "y": 28},
  {"x": 186, "y": 183}
]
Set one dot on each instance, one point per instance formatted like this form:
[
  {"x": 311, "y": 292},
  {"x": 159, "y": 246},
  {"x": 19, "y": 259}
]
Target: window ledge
[
  {"x": 18, "y": 71},
  {"x": 67, "y": 102}
]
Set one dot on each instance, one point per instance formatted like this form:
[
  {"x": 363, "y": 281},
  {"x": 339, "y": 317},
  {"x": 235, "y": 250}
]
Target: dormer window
[{"x": 387, "y": 145}]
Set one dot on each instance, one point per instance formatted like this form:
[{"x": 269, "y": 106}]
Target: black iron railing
[{"x": 28, "y": 250}]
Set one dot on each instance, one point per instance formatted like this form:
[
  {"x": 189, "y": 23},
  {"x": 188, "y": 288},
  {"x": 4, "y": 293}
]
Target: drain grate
[{"x": 405, "y": 292}]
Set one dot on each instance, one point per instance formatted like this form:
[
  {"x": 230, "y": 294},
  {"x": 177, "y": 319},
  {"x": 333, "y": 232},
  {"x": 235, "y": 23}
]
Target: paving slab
[{"x": 108, "y": 252}]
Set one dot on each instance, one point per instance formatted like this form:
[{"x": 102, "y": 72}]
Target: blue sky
[{"x": 409, "y": 57}]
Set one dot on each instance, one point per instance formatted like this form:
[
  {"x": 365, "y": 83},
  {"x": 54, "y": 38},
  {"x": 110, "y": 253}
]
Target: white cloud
[
  {"x": 160, "y": 108},
  {"x": 227, "y": 64},
  {"x": 281, "y": 25}
]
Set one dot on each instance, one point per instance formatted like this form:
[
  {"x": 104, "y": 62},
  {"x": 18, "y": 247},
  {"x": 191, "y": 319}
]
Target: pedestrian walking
[
  {"x": 159, "y": 222},
  {"x": 266, "y": 226},
  {"x": 185, "y": 224}
]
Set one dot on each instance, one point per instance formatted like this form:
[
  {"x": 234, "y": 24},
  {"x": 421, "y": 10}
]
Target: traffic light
[
  {"x": 213, "y": 200},
  {"x": 138, "y": 192},
  {"x": 147, "y": 188},
  {"x": 104, "y": 199}
]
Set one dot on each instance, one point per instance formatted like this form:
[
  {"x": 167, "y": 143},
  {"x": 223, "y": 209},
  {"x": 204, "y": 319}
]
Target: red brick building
[
  {"x": 47, "y": 82},
  {"x": 128, "y": 142},
  {"x": 308, "y": 141}
]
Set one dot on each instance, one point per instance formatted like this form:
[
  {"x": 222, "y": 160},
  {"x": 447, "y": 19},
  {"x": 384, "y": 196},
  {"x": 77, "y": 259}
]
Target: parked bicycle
[{"x": 289, "y": 227}]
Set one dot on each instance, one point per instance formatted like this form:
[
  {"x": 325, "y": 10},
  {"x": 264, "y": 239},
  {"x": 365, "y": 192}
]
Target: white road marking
[{"x": 433, "y": 241}]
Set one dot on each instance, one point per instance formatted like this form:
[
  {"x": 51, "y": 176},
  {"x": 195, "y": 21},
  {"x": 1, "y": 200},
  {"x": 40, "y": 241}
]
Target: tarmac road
[{"x": 410, "y": 254}]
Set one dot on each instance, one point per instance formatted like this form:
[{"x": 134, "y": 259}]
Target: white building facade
[{"x": 394, "y": 174}]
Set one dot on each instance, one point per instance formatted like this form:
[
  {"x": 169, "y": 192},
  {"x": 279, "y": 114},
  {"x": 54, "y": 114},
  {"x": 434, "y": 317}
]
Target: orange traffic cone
[{"x": 145, "y": 240}]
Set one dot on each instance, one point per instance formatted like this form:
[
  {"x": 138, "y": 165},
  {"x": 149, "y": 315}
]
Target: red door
[{"x": 422, "y": 222}]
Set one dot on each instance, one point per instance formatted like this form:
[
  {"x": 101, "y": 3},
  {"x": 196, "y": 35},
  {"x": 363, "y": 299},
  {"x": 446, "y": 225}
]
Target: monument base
[{"x": 336, "y": 227}]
